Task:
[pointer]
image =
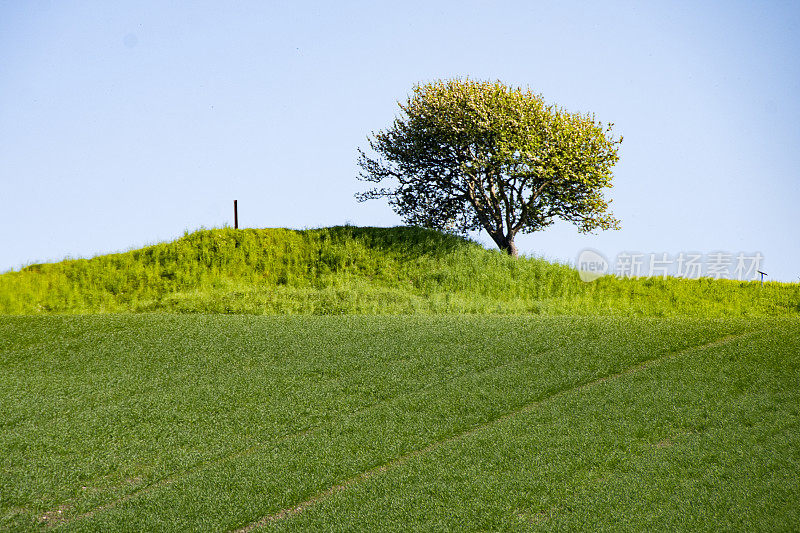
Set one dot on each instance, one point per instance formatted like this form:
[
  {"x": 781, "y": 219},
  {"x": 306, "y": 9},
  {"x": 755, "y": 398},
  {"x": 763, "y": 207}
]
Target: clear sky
[{"x": 125, "y": 123}]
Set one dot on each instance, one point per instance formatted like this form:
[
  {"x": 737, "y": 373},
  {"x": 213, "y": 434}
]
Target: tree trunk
[
  {"x": 506, "y": 243},
  {"x": 511, "y": 248}
]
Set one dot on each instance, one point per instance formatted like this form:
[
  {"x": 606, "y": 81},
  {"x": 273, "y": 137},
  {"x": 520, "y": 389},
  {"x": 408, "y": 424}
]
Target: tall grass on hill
[{"x": 354, "y": 270}]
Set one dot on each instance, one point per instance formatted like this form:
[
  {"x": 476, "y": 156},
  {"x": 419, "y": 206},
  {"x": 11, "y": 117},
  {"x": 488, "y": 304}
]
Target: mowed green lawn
[{"x": 175, "y": 423}]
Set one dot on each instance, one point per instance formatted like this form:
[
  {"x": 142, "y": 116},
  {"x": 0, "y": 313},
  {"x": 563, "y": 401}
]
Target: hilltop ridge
[{"x": 360, "y": 270}]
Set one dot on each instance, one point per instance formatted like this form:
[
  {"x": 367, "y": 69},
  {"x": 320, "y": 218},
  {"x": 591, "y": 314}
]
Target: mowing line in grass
[
  {"x": 165, "y": 481},
  {"x": 459, "y": 431},
  {"x": 363, "y": 476},
  {"x": 704, "y": 442},
  {"x": 357, "y": 429},
  {"x": 178, "y": 475}
]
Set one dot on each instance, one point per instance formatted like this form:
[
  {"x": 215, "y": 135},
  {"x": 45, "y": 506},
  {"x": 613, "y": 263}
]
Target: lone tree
[{"x": 466, "y": 155}]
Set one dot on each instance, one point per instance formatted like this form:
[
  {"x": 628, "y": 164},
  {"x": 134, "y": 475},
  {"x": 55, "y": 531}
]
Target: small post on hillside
[
  {"x": 235, "y": 215},
  {"x": 762, "y": 276}
]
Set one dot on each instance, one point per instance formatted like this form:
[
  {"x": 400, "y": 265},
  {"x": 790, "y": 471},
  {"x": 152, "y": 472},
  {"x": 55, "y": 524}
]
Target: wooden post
[{"x": 235, "y": 216}]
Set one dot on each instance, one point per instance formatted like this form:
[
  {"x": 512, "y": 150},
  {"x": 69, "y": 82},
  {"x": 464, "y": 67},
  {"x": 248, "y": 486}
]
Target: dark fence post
[{"x": 235, "y": 215}]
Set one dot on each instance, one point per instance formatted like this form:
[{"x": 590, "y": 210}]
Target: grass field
[
  {"x": 211, "y": 422},
  {"x": 351, "y": 270}
]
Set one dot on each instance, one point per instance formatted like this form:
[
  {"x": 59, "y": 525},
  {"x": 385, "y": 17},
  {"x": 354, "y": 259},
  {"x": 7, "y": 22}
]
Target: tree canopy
[{"x": 467, "y": 155}]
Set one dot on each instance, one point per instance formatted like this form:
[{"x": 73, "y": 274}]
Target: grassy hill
[
  {"x": 167, "y": 422},
  {"x": 361, "y": 271}
]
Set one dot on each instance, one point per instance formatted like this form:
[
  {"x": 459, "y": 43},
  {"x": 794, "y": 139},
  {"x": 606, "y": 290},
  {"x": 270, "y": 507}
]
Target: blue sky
[{"x": 124, "y": 124}]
